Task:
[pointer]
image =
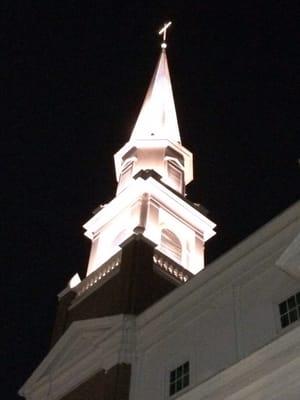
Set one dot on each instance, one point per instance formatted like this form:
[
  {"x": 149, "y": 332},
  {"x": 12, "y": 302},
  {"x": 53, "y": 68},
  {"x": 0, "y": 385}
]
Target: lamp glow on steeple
[
  {"x": 152, "y": 170},
  {"x": 157, "y": 118},
  {"x": 155, "y": 142}
]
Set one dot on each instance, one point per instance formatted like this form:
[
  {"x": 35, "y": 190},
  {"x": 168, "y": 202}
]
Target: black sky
[{"x": 74, "y": 75}]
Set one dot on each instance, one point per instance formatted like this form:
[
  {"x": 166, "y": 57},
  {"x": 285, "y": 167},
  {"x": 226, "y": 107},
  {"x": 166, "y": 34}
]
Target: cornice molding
[
  {"x": 289, "y": 261},
  {"x": 86, "y": 347}
]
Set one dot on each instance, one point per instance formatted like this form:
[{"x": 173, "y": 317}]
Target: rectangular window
[
  {"x": 125, "y": 175},
  {"x": 179, "y": 378},
  {"x": 175, "y": 175},
  {"x": 290, "y": 310}
]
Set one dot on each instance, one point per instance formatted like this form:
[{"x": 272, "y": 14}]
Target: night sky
[{"x": 74, "y": 74}]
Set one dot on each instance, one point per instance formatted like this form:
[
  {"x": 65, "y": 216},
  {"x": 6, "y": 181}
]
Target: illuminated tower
[
  {"x": 152, "y": 170},
  {"x": 145, "y": 242}
]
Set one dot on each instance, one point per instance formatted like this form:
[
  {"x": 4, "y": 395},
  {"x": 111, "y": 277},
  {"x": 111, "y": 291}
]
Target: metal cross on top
[{"x": 163, "y": 32}]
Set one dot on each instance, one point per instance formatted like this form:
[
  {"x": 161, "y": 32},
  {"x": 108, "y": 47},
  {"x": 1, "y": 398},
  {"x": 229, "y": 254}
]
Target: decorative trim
[
  {"x": 171, "y": 268},
  {"x": 87, "y": 347},
  {"x": 97, "y": 278},
  {"x": 289, "y": 261}
]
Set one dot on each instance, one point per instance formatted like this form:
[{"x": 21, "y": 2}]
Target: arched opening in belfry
[{"x": 170, "y": 245}]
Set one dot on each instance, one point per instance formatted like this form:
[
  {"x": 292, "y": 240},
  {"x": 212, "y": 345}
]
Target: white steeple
[
  {"x": 155, "y": 142},
  {"x": 152, "y": 170},
  {"x": 157, "y": 118}
]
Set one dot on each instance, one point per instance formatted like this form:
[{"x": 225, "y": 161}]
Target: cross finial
[{"x": 163, "y": 32}]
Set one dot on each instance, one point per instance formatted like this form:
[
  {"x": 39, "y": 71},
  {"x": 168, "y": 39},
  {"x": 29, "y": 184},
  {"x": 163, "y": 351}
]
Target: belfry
[{"x": 152, "y": 170}]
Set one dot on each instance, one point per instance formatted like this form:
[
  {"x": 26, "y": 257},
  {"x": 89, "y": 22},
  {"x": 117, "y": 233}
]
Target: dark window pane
[
  {"x": 284, "y": 321},
  {"x": 299, "y": 312},
  {"x": 179, "y": 372},
  {"x": 186, "y": 380},
  {"x": 172, "y": 389},
  {"x": 172, "y": 376},
  {"x": 178, "y": 385},
  {"x": 298, "y": 298},
  {"x": 179, "y": 378},
  {"x": 293, "y": 315},
  {"x": 292, "y": 302},
  {"x": 186, "y": 367},
  {"x": 283, "y": 307}
]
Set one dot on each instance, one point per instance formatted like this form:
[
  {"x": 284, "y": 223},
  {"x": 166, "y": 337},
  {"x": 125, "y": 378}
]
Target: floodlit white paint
[
  {"x": 74, "y": 281},
  {"x": 146, "y": 206},
  {"x": 96, "y": 279},
  {"x": 157, "y": 118},
  {"x": 191, "y": 259},
  {"x": 224, "y": 321},
  {"x": 154, "y": 154},
  {"x": 155, "y": 138}
]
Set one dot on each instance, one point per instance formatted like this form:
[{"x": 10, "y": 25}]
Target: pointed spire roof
[{"x": 157, "y": 118}]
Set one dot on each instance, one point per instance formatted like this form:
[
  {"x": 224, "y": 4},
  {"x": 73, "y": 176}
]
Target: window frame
[
  {"x": 177, "y": 256},
  {"x": 173, "y": 164},
  {"x": 179, "y": 378},
  {"x": 127, "y": 167},
  {"x": 280, "y": 314}
]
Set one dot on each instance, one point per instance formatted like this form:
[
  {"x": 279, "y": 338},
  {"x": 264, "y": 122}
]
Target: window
[
  {"x": 179, "y": 378},
  {"x": 125, "y": 175},
  {"x": 170, "y": 244},
  {"x": 175, "y": 175},
  {"x": 290, "y": 310}
]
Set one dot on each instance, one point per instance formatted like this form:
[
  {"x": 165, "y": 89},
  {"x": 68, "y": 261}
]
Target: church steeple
[
  {"x": 148, "y": 240},
  {"x": 152, "y": 170},
  {"x": 157, "y": 118},
  {"x": 155, "y": 142}
]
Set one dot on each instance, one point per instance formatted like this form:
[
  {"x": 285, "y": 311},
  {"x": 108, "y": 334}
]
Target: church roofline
[
  {"x": 227, "y": 268},
  {"x": 91, "y": 345}
]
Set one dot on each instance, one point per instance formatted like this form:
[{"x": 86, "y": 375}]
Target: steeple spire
[
  {"x": 155, "y": 142},
  {"x": 157, "y": 118}
]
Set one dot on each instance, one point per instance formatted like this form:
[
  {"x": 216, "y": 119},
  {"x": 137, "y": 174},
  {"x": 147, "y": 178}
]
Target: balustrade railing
[
  {"x": 99, "y": 274},
  {"x": 160, "y": 260},
  {"x": 170, "y": 267}
]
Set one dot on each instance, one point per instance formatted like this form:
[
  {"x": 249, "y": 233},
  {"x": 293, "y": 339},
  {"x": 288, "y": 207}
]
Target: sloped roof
[{"x": 157, "y": 118}]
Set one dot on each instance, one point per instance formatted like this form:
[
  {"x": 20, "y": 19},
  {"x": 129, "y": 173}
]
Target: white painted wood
[
  {"x": 224, "y": 321},
  {"x": 86, "y": 347}
]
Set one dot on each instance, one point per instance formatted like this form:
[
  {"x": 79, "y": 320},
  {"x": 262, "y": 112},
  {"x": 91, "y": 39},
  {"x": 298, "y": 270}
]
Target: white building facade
[{"x": 227, "y": 324}]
